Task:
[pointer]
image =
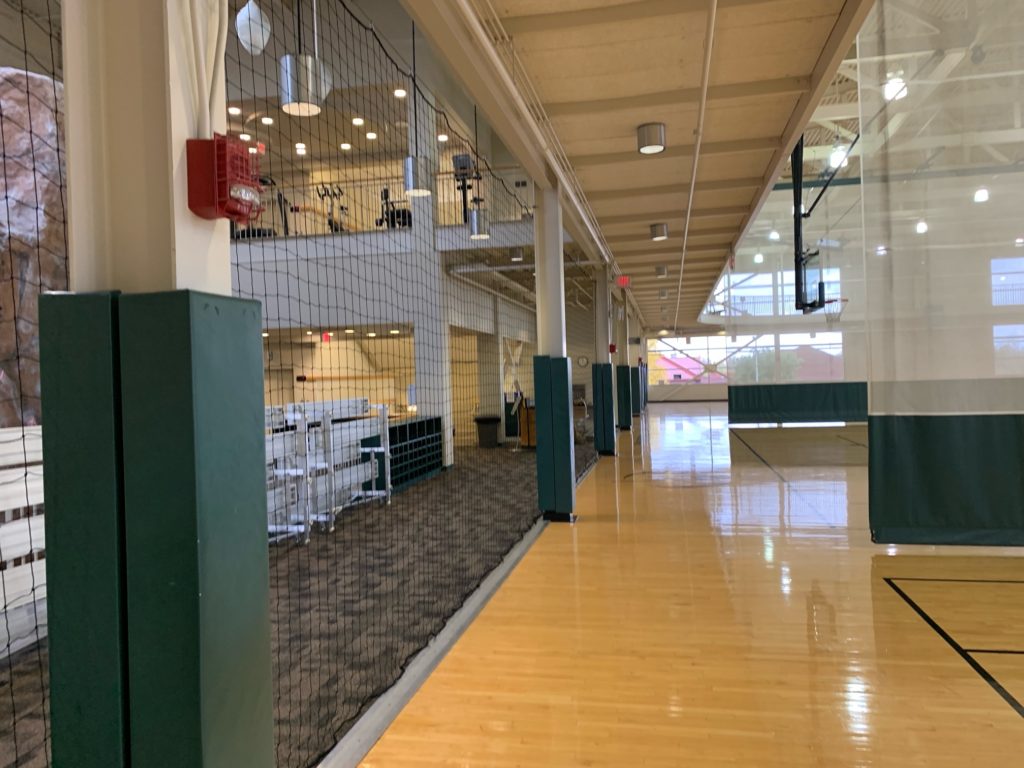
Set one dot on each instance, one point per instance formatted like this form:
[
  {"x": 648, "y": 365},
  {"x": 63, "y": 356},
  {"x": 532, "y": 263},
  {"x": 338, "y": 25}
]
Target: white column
[
  {"x": 129, "y": 89},
  {"x": 550, "y": 274},
  {"x": 488, "y": 366},
  {"x": 602, "y": 316},
  {"x": 431, "y": 342}
]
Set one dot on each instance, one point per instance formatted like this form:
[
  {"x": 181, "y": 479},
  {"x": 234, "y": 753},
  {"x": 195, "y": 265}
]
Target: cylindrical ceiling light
[
  {"x": 650, "y": 138},
  {"x": 659, "y": 231},
  {"x": 303, "y": 79},
  {"x": 417, "y": 173},
  {"x": 661, "y": 272},
  {"x": 417, "y": 169},
  {"x": 518, "y": 254},
  {"x": 479, "y": 225}
]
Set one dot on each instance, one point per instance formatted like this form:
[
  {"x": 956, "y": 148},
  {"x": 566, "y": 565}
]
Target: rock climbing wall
[{"x": 33, "y": 245}]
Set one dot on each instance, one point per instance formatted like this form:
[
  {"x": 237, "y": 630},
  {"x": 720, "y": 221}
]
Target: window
[
  {"x": 1007, "y": 282},
  {"x": 1008, "y": 345}
]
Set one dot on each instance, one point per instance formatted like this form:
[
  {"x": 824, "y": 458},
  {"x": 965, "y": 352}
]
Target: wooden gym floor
[{"x": 720, "y": 604}]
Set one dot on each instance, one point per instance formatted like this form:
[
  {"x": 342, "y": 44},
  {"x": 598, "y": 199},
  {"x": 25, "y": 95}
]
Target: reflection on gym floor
[{"x": 720, "y": 603}]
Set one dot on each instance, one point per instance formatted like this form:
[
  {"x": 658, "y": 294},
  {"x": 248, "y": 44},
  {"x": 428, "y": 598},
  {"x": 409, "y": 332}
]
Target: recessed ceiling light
[
  {"x": 299, "y": 145},
  {"x": 357, "y": 121},
  {"x": 659, "y": 232},
  {"x": 253, "y": 150},
  {"x": 981, "y": 195},
  {"x": 370, "y": 135},
  {"x": 350, "y": 331},
  {"x": 300, "y": 151},
  {"x": 774, "y": 236},
  {"x": 400, "y": 93},
  {"x": 517, "y": 254},
  {"x": 922, "y": 227},
  {"x": 371, "y": 335},
  {"x": 442, "y": 137},
  {"x": 346, "y": 146},
  {"x": 881, "y": 250},
  {"x": 266, "y": 335},
  {"x": 759, "y": 258},
  {"x": 267, "y": 120},
  {"x": 245, "y": 137},
  {"x": 309, "y": 333},
  {"x": 234, "y": 111},
  {"x": 650, "y": 138},
  {"x": 394, "y": 331}
]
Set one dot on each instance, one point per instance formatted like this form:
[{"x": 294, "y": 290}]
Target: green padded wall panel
[
  {"x": 78, "y": 350},
  {"x": 623, "y": 396},
  {"x": 604, "y": 409},
  {"x": 556, "y": 472},
  {"x": 636, "y": 396},
  {"x": 195, "y": 523},
  {"x": 946, "y": 479},
  {"x": 831, "y": 401}
]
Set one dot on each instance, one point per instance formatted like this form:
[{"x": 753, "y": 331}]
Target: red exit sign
[{"x": 622, "y": 281}]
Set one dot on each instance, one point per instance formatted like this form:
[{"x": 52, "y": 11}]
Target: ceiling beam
[
  {"x": 623, "y": 255},
  {"x": 698, "y": 213},
  {"x": 645, "y": 235},
  {"x": 672, "y": 189},
  {"x": 612, "y": 14},
  {"x": 834, "y": 112},
  {"x": 737, "y": 146},
  {"x": 749, "y": 90}
]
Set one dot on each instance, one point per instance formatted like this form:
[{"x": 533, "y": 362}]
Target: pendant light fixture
[
  {"x": 304, "y": 80},
  {"x": 650, "y": 138},
  {"x": 659, "y": 232},
  {"x": 417, "y": 169},
  {"x": 479, "y": 222}
]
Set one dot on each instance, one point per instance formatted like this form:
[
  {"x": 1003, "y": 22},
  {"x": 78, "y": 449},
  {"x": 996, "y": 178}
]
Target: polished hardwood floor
[{"x": 720, "y": 604}]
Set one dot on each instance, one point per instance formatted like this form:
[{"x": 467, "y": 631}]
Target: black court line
[
  {"x": 851, "y": 442},
  {"x": 974, "y": 663},
  {"x": 959, "y": 581},
  {"x": 762, "y": 459},
  {"x": 993, "y": 650}
]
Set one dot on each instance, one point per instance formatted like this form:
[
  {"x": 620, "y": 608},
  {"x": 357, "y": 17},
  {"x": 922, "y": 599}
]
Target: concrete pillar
[
  {"x": 129, "y": 227},
  {"x": 556, "y": 473},
  {"x": 176, "y": 425},
  {"x": 431, "y": 342}
]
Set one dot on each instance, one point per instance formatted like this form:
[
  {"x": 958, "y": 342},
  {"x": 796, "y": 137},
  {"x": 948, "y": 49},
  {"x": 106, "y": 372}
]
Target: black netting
[
  {"x": 33, "y": 259},
  {"x": 389, "y": 333}
]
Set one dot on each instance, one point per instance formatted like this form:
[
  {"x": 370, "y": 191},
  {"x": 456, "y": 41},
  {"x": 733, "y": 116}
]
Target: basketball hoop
[{"x": 834, "y": 309}]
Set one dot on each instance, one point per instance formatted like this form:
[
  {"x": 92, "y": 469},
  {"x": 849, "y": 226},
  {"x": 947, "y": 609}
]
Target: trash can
[{"x": 487, "y": 430}]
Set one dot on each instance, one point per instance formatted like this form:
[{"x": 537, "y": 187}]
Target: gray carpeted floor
[{"x": 353, "y": 607}]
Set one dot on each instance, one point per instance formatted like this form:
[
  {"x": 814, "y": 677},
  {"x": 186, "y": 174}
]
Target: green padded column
[
  {"x": 637, "y": 397},
  {"x": 604, "y": 409},
  {"x": 195, "y": 526},
  {"x": 78, "y": 349},
  {"x": 556, "y": 464},
  {"x": 623, "y": 391}
]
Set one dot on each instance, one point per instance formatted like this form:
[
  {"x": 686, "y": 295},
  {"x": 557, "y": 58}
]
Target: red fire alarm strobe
[
  {"x": 622, "y": 281},
  {"x": 611, "y": 349},
  {"x": 223, "y": 179}
]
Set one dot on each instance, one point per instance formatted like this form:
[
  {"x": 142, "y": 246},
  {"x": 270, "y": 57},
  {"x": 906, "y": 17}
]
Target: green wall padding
[
  {"x": 199, "y": 656},
  {"x": 832, "y": 401},
  {"x": 604, "y": 409},
  {"x": 636, "y": 395},
  {"x": 623, "y": 396},
  {"x": 556, "y": 473},
  {"x": 946, "y": 479},
  {"x": 79, "y": 362}
]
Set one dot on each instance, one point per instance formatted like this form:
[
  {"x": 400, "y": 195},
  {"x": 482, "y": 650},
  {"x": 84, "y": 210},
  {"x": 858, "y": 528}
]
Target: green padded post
[
  {"x": 636, "y": 396},
  {"x": 604, "y": 409},
  {"x": 78, "y": 349},
  {"x": 623, "y": 388},
  {"x": 199, "y": 657},
  {"x": 556, "y": 465}
]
